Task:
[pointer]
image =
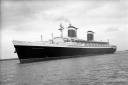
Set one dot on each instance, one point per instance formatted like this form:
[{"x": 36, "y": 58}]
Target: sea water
[{"x": 108, "y": 69}]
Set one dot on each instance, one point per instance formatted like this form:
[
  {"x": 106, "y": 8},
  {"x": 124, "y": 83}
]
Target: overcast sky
[{"x": 28, "y": 19}]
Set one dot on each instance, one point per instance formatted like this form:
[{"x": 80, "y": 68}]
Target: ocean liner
[{"x": 59, "y": 47}]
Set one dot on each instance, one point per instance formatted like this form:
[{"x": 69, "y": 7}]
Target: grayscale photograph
[{"x": 63, "y": 42}]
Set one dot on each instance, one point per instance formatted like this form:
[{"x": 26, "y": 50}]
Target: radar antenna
[{"x": 61, "y": 30}]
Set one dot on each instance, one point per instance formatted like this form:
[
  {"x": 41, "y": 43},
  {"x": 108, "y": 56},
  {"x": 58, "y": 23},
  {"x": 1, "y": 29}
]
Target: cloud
[
  {"x": 64, "y": 12},
  {"x": 112, "y": 29},
  {"x": 87, "y": 12}
]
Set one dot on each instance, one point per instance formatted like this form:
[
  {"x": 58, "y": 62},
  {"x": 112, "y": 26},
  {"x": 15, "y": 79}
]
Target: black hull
[{"x": 37, "y": 53}]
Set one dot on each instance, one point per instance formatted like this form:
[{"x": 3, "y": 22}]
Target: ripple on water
[{"x": 109, "y": 69}]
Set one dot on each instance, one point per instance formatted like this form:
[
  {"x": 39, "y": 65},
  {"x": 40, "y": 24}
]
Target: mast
[
  {"x": 61, "y": 30},
  {"x": 108, "y": 41},
  {"x": 41, "y": 38},
  {"x": 52, "y": 38}
]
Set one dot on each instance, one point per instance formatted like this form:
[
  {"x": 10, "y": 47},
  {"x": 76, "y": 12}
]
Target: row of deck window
[{"x": 88, "y": 44}]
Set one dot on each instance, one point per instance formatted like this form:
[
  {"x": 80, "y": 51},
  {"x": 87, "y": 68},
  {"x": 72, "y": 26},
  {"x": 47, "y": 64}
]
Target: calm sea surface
[{"x": 110, "y": 69}]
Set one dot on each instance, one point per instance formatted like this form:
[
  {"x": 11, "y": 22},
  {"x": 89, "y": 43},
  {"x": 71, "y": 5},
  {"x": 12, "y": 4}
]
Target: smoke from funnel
[{"x": 65, "y": 21}]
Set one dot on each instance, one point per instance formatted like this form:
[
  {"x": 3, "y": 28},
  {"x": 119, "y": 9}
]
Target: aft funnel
[{"x": 90, "y": 36}]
